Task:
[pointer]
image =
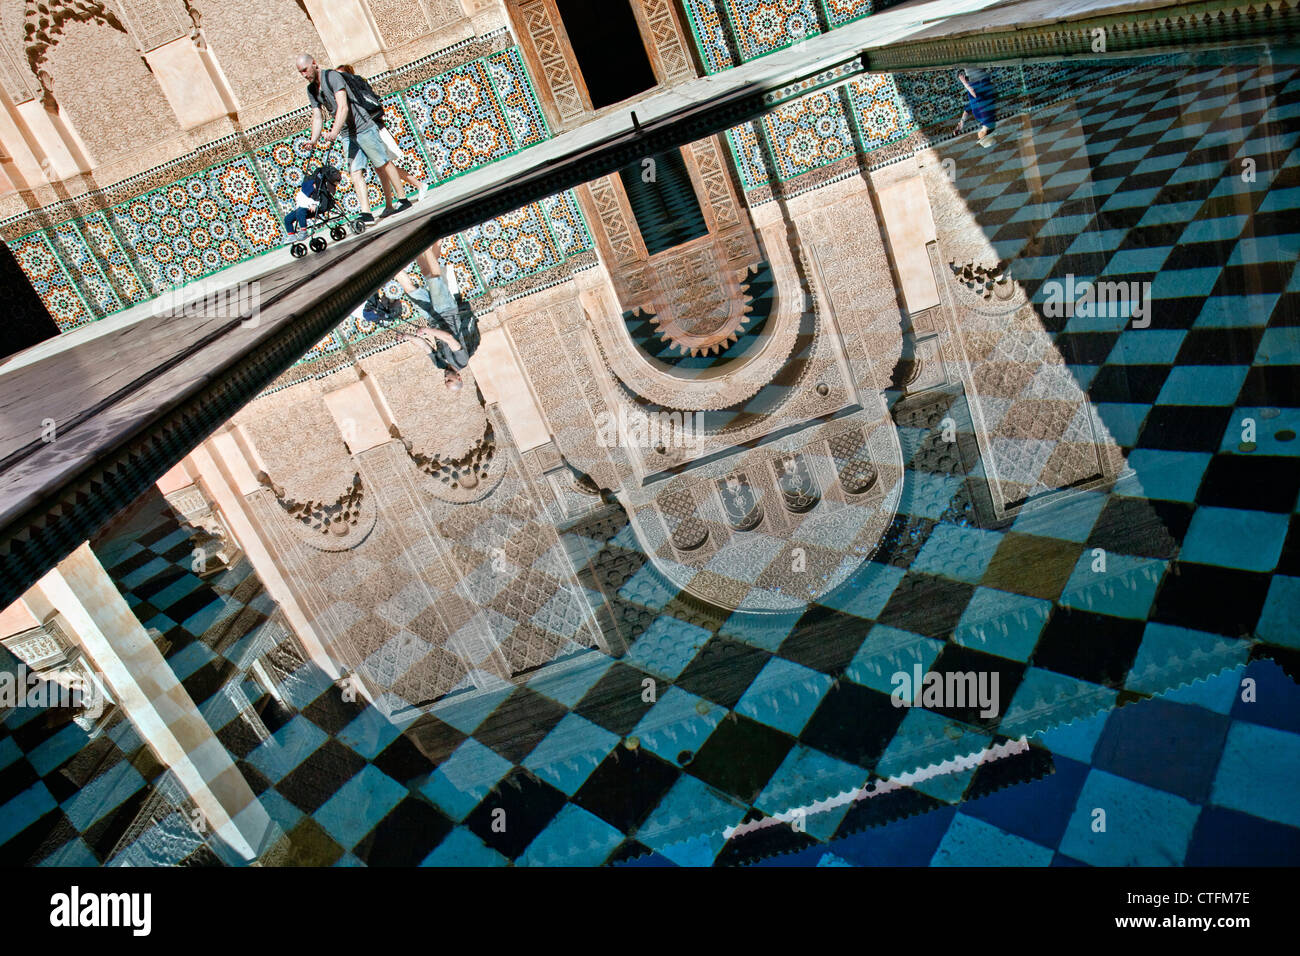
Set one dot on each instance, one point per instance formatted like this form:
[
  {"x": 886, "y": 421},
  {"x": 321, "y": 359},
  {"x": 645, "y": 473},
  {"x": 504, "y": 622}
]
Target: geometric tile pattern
[
  {"x": 456, "y": 121},
  {"x": 1211, "y": 803},
  {"x": 750, "y": 716}
]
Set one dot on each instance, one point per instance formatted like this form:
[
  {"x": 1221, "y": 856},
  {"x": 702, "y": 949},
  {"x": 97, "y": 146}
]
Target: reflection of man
[
  {"x": 979, "y": 100},
  {"x": 452, "y": 332}
]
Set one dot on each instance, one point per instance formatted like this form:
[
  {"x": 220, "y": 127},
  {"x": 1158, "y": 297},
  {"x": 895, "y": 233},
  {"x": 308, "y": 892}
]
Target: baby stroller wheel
[
  {"x": 318, "y": 244},
  {"x": 358, "y": 227},
  {"x": 337, "y": 234},
  {"x": 297, "y": 250}
]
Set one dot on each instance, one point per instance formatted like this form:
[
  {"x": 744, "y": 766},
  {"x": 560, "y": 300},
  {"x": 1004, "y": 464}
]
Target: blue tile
[
  {"x": 24, "y": 810},
  {"x": 467, "y": 712},
  {"x": 1279, "y": 346},
  {"x": 9, "y": 752},
  {"x": 1146, "y": 347},
  {"x": 1276, "y": 700},
  {"x": 908, "y": 842},
  {"x": 784, "y": 695},
  {"x": 1164, "y": 475},
  {"x": 1138, "y": 260},
  {"x": 1044, "y": 699},
  {"x": 190, "y": 658},
  {"x": 925, "y": 738},
  {"x": 1203, "y": 385},
  {"x": 73, "y": 853},
  {"x": 806, "y": 777},
  {"x": 1000, "y": 623},
  {"x": 1169, "y": 656},
  {"x": 1123, "y": 422},
  {"x": 1125, "y": 589},
  {"x": 1235, "y": 311},
  {"x": 1227, "y": 838},
  {"x": 1278, "y": 621},
  {"x": 288, "y": 747},
  {"x": 573, "y": 838},
  {"x": 570, "y": 752},
  {"x": 1037, "y": 810},
  {"x": 464, "y": 779},
  {"x": 1173, "y": 283},
  {"x": 1214, "y": 693},
  {"x": 369, "y": 734},
  {"x": 1144, "y": 826},
  {"x": 1188, "y": 740},
  {"x": 865, "y": 594},
  {"x": 1070, "y": 518},
  {"x": 103, "y": 793},
  {"x": 570, "y": 685},
  {"x": 463, "y": 848},
  {"x": 766, "y": 631},
  {"x": 959, "y": 553},
  {"x": 201, "y": 620},
  {"x": 1213, "y": 230},
  {"x": 885, "y": 652},
  {"x": 667, "y": 646},
  {"x": 359, "y": 805},
  {"x": 927, "y": 495},
  {"x": 688, "y": 825},
  {"x": 1259, "y": 773},
  {"x": 64, "y": 745},
  {"x": 648, "y": 588},
  {"x": 972, "y": 842},
  {"x": 678, "y": 721},
  {"x": 1230, "y": 537}
]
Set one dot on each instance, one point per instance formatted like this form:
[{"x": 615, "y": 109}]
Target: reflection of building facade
[{"x": 413, "y": 539}]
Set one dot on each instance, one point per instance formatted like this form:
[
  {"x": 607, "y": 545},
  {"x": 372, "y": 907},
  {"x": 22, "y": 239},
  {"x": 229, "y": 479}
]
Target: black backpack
[{"x": 362, "y": 94}]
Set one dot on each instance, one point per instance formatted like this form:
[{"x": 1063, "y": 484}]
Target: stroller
[{"x": 319, "y": 188}]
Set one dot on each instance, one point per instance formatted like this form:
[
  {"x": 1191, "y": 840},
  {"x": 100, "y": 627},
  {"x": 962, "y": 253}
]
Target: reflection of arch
[
  {"x": 747, "y": 532},
  {"x": 720, "y": 386},
  {"x": 469, "y": 477},
  {"x": 338, "y": 525}
]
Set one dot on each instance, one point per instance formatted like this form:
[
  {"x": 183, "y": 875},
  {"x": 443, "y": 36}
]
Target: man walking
[
  {"x": 452, "y": 332},
  {"x": 327, "y": 91}
]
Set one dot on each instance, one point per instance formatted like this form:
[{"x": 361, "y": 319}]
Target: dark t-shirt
[
  {"x": 462, "y": 323},
  {"x": 358, "y": 119}
]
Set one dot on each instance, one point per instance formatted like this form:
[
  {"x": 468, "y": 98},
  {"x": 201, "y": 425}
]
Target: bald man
[{"x": 327, "y": 91}]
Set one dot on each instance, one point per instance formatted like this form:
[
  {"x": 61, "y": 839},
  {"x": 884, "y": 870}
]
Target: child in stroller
[
  {"x": 315, "y": 198},
  {"x": 316, "y": 206}
]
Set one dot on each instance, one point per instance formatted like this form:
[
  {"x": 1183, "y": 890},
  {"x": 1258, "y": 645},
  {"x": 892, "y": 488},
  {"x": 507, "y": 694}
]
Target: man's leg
[
  {"x": 440, "y": 296},
  {"x": 357, "y": 173}
]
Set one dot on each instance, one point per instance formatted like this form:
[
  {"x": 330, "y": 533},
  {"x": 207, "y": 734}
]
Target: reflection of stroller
[{"x": 318, "y": 207}]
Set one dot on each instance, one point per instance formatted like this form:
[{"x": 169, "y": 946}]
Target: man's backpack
[{"x": 361, "y": 93}]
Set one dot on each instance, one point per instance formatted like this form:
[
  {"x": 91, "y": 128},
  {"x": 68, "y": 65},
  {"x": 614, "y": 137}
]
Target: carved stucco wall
[
  {"x": 401, "y": 21},
  {"x": 103, "y": 85},
  {"x": 1036, "y": 427},
  {"x": 17, "y": 79},
  {"x": 298, "y": 440},
  {"x": 255, "y": 42}
]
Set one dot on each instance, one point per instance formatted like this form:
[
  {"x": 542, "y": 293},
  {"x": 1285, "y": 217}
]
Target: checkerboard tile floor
[{"x": 753, "y": 716}]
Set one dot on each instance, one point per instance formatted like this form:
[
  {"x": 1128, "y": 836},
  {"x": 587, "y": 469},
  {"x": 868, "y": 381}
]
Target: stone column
[
  {"x": 223, "y": 471},
  {"x": 99, "y": 620}
]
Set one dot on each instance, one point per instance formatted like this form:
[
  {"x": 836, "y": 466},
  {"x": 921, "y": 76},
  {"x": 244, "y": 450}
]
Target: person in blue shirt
[{"x": 980, "y": 101}]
